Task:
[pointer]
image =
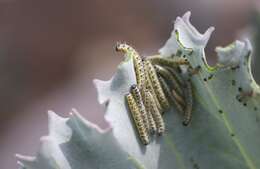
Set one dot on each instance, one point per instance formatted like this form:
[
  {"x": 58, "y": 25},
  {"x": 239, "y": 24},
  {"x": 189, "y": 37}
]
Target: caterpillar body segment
[
  {"x": 178, "y": 98},
  {"x": 179, "y": 81},
  {"x": 156, "y": 85},
  {"x": 150, "y": 88},
  {"x": 138, "y": 63},
  {"x": 189, "y": 104},
  {"x": 139, "y": 69},
  {"x": 147, "y": 103},
  {"x": 170, "y": 96},
  {"x": 138, "y": 120},
  {"x": 167, "y": 75},
  {"x": 177, "y": 74},
  {"x": 134, "y": 90},
  {"x": 160, "y": 125},
  {"x": 171, "y": 62},
  {"x": 152, "y": 124}
]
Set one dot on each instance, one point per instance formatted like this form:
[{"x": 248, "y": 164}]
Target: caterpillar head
[
  {"x": 133, "y": 87},
  {"x": 122, "y": 47}
]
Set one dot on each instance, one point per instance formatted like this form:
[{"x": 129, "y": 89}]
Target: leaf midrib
[{"x": 229, "y": 127}]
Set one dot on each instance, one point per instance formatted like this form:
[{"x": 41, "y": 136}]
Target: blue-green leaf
[{"x": 224, "y": 133}]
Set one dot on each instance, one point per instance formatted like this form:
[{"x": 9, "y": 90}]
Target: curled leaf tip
[{"x": 185, "y": 35}]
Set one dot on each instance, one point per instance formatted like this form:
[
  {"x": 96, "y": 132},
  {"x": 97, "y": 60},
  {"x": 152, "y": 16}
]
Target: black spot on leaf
[
  {"x": 240, "y": 89},
  {"x": 220, "y": 111},
  {"x": 210, "y": 77}
]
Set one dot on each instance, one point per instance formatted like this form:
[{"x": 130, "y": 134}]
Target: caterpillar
[
  {"x": 147, "y": 103},
  {"x": 171, "y": 62},
  {"x": 152, "y": 124},
  {"x": 149, "y": 87},
  {"x": 178, "y": 98},
  {"x": 136, "y": 115},
  {"x": 167, "y": 75},
  {"x": 170, "y": 96},
  {"x": 176, "y": 73},
  {"x": 138, "y": 63},
  {"x": 134, "y": 90},
  {"x": 156, "y": 85},
  {"x": 160, "y": 125},
  {"x": 189, "y": 102}
]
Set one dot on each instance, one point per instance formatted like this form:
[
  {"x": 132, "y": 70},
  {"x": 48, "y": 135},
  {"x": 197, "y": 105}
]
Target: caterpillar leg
[
  {"x": 156, "y": 85},
  {"x": 189, "y": 104},
  {"x": 136, "y": 115},
  {"x": 160, "y": 125},
  {"x": 138, "y": 63}
]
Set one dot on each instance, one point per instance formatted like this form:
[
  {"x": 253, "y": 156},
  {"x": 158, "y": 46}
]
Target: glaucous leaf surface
[{"x": 224, "y": 133}]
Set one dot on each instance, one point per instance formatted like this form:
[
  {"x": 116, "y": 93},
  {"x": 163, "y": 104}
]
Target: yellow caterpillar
[
  {"x": 147, "y": 103},
  {"x": 167, "y": 75},
  {"x": 156, "y": 85},
  {"x": 150, "y": 88},
  {"x": 160, "y": 125},
  {"x": 140, "y": 104},
  {"x": 171, "y": 62},
  {"x": 136, "y": 115},
  {"x": 138, "y": 63},
  {"x": 170, "y": 95}
]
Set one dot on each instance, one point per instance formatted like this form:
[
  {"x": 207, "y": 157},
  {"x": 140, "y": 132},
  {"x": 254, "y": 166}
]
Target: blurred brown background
[{"x": 50, "y": 50}]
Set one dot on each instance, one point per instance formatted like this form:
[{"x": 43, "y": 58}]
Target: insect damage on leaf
[{"x": 225, "y": 113}]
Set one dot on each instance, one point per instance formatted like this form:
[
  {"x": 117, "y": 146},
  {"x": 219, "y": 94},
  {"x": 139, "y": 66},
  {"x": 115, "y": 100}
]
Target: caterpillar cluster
[{"x": 160, "y": 85}]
